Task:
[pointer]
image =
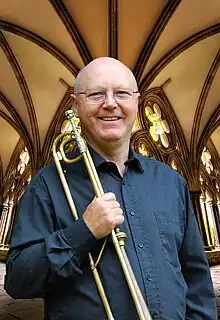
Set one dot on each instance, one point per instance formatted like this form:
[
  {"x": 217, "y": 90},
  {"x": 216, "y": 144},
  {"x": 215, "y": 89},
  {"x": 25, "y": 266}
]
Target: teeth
[{"x": 110, "y": 119}]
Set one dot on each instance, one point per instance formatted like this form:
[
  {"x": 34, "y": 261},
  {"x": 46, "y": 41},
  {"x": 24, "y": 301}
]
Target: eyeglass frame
[{"x": 105, "y": 90}]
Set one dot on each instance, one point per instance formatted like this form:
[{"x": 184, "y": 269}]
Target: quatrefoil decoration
[{"x": 159, "y": 127}]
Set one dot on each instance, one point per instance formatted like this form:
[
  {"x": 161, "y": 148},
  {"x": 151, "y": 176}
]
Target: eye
[
  {"x": 123, "y": 94},
  {"x": 96, "y": 94}
]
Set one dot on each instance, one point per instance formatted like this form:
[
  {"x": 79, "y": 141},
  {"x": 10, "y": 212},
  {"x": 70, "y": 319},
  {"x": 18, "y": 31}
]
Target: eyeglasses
[{"x": 99, "y": 95}]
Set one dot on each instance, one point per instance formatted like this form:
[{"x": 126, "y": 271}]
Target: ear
[{"x": 74, "y": 105}]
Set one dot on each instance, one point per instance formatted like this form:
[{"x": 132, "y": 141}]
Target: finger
[
  {"x": 115, "y": 213},
  {"x": 109, "y": 196},
  {"x": 113, "y": 204},
  {"x": 118, "y": 220},
  {"x": 118, "y": 211}
]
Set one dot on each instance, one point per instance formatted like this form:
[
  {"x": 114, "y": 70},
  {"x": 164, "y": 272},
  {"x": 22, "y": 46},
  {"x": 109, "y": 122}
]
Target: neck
[{"x": 114, "y": 152}]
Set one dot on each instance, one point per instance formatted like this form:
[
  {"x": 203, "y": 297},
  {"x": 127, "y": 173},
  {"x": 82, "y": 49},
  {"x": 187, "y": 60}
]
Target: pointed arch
[
  {"x": 26, "y": 94},
  {"x": 212, "y": 124},
  {"x": 175, "y": 52},
  {"x": 154, "y": 36},
  {"x": 41, "y": 42},
  {"x": 201, "y": 104},
  {"x": 64, "y": 15}
]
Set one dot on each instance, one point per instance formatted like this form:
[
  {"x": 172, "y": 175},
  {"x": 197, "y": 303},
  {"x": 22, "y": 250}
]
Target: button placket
[{"x": 138, "y": 233}]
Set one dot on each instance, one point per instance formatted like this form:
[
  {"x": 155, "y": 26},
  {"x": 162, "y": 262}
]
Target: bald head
[{"x": 92, "y": 75}]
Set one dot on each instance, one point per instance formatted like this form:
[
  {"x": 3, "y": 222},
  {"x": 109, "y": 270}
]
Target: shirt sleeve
[
  {"x": 40, "y": 255},
  {"x": 201, "y": 301}
]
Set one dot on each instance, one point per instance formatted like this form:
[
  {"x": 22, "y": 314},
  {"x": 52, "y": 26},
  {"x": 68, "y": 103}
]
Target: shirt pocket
[{"x": 170, "y": 236}]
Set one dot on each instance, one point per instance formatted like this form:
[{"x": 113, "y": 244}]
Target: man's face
[{"x": 108, "y": 121}]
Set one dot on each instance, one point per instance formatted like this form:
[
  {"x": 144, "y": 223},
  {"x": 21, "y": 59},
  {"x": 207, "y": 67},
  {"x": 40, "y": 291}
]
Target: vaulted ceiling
[{"x": 173, "y": 44}]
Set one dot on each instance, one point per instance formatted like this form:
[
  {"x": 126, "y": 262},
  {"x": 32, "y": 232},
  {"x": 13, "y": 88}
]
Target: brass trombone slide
[{"x": 118, "y": 237}]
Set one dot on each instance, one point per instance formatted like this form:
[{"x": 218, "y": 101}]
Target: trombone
[{"x": 118, "y": 237}]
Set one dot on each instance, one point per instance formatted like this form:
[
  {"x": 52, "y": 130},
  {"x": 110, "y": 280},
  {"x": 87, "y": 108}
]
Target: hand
[{"x": 103, "y": 214}]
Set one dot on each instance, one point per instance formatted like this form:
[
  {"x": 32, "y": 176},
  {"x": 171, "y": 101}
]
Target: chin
[{"x": 111, "y": 137}]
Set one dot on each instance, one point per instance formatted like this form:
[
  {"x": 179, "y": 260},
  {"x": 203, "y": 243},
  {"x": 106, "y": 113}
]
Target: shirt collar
[{"x": 135, "y": 161}]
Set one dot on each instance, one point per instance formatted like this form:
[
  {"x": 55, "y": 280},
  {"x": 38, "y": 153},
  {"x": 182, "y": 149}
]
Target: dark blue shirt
[{"x": 49, "y": 252}]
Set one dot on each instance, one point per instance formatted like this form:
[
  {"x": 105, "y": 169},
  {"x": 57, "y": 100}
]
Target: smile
[{"x": 110, "y": 118}]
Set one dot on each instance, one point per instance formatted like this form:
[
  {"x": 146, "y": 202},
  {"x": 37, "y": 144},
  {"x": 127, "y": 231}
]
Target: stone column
[
  {"x": 9, "y": 232},
  {"x": 195, "y": 198},
  {"x": 211, "y": 222},
  {"x": 8, "y": 221},
  {"x": 217, "y": 218},
  {"x": 215, "y": 214},
  {"x": 3, "y": 221},
  {"x": 1, "y": 210},
  {"x": 206, "y": 221},
  {"x": 218, "y": 205}
]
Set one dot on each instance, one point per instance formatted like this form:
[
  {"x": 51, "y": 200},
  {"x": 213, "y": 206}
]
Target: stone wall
[
  {"x": 213, "y": 257},
  {"x": 3, "y": 254}
]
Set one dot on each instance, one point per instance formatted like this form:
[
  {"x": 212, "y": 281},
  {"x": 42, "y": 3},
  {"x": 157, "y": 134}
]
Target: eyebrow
[{"x": 104, "y": 88}]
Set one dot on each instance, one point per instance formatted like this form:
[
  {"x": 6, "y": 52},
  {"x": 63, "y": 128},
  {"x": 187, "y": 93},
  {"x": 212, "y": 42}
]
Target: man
[{"x": 147, "y": 199}]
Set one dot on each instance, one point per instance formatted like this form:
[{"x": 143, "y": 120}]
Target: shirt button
[
  {"x": 149, "y": 278},
  {"x": 141, "y": 245},
  {"x": 132, "y": 213},
  {"x": 154, "y": 314}
]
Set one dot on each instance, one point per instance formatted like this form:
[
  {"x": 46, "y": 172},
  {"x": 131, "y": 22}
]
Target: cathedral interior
[{"x": 173, "y": 49}]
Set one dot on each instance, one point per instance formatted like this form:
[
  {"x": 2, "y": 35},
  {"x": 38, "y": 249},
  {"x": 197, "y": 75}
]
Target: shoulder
[
  {"x": 42, "y": 175},
  {"x": 159, "y": 167},
  {"x": 47, "y": 177},
  {"x": 161, "y": 175}
]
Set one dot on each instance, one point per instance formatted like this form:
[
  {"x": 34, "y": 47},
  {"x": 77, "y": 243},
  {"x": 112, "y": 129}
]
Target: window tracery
[
  {"x": 24, "y": 159},
  {"x": 159, "y": 128},
  {"x": 206, "y": 160},
  {"x": 173, "y": 165},
  {"x": 143, "y": 149}
]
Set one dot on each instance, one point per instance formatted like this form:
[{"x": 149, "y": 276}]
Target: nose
[{"x": 110, "y": 100}]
